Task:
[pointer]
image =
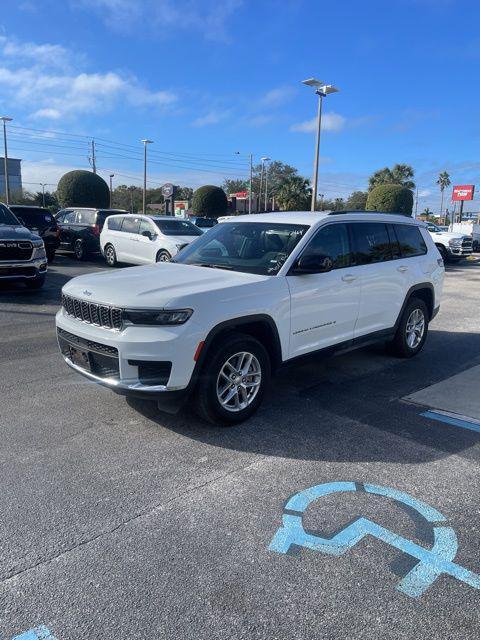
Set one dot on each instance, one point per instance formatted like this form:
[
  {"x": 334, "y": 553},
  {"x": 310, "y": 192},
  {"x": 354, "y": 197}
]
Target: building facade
[{"x": 14, "y": 176}]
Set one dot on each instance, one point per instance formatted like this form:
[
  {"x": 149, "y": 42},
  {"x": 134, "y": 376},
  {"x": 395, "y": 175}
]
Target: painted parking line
[
  {"x": 449, "y": 419},
  {"x": 39, "y": 633}
]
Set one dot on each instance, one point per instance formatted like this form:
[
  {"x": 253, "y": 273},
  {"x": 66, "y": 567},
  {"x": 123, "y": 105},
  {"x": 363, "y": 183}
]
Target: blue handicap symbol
[
  {"x": 39, "y": 633},
  {"x": 431, "y": 562}
]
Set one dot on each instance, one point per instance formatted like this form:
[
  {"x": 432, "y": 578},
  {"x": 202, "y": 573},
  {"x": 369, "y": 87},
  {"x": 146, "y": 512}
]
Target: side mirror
[
  {"x": 313, "y": 264},
  {"x": 148, "y": 234}
]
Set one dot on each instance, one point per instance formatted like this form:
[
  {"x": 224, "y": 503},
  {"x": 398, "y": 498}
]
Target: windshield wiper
[{"x": 211, "y": 265}]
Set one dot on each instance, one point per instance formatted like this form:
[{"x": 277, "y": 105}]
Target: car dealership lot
[{"x": 122, "y": 522}]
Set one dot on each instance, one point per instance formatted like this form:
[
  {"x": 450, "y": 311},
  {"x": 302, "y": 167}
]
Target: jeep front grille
[{"x": 98, "y": 314}]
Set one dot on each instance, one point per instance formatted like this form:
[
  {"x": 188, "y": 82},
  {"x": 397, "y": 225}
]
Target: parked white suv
[
  {"x": 246, "y": 297},
  {"x": 145, "y": 239},
  {"x": 451, "y": 245}
]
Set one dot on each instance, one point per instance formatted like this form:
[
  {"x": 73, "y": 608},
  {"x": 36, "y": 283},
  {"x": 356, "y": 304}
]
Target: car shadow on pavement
[{"x": 348, "y": 408}]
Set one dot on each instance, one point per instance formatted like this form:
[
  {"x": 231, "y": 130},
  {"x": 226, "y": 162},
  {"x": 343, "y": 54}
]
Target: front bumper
[
  {"x": 23, "y": 269},
  {"x": 129, "y": 350}
]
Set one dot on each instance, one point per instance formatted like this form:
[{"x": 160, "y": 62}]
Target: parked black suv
[
  {"x": 40, "y": 221},
  {"x": 80, "y": 229},
  {"x": 22, "y": 253}
]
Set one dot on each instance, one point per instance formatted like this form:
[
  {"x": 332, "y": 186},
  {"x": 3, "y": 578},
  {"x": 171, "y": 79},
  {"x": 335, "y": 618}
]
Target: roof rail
[{"x": 388, "y": 213}]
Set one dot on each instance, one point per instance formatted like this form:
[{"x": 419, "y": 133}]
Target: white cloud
[
  {"x": 207, "y": 16},
  {"x": 330, "y": 122},
  {"x": 276, "y": 97},
  {"x": 66, "y": 92},
  {"x": 212, "y": 117}
]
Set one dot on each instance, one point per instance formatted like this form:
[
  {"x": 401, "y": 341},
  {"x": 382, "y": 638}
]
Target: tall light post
[
  {"x": 145, "y": 141},
  {"x": 43, "y": 185},
  {"x": 322, "y": 90},
  {"x": 112, "y": 175},
  {"x": 264, "y": 159},
  {"x": 6, "y": 119},
  {"x": 266, "y": 185}
]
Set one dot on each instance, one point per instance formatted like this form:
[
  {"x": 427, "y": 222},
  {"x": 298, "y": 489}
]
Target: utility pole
[
  {"x": 6, "y": 119},
  {"x": 250, "y": 185},
  {"x": 266, "y": 189},
  {"x": 43, "y": 184},
  {"x": 93, "y": 159},
  {"x": 264, "y": 159},
  {"x": 416, "y": 203},
  {"x": 145, "y": 141},
  {"x": 111, "y": 176}
]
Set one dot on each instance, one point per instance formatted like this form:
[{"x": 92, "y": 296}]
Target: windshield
[
  {"x": 7, "y": 217},
  {"x": 251, "y": 247},
  {"x": 177, "y": 227},
  {"x": 433, "y": 227}
]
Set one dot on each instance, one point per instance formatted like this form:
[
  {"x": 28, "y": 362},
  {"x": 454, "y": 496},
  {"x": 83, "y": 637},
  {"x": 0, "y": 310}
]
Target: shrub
[
  {"x": 83, "y": 189},
  {"x": 210, "y": 201},
  {"x": 390, "y": 197}
]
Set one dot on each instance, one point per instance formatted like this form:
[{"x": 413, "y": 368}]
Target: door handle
[
  {"x": 402, "y": 269},
  {"x": 349, "y": 278}
]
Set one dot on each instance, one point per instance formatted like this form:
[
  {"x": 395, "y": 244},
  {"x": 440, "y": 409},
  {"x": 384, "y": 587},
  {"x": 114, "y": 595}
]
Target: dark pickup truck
[{"x": 22, "y": 253}]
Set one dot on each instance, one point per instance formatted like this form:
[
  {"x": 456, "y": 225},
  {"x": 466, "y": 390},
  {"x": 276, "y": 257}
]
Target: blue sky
[{"x": 204, "y": 79}]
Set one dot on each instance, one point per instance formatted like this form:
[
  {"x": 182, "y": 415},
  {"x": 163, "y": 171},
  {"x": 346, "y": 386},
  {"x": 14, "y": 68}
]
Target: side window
[
  {"x": 114, "y": 224},
  {"x": 371, "y": 242},
  {"x": 130, "y": 224},
  {"x": 394, "y": 244},
  {"x": 410, "y": 240},
  {"x": 331, "y": 241},
  {"x": 145, "y": 225}
]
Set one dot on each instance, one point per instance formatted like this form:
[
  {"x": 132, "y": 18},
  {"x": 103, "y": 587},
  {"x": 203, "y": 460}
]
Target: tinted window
[
  {"x": 33, "y": 215},
  {"x": 251, "y": 247},
  {"x": 177, "y": 227},
  {"x": 331, "y": 241},
  {"x": 115, "y": 223},
  {"x": 410, "y": 240},
  {"x": 7, "y": 217},
  {"x": 130, "y": 224},
  {"x": 371, "y": 242},
  {"x": 145, "y": 225},
  {"x": 85, "y": 217},
  {"x": 394, "y": 244},
  {"x": 204, "y": 222}
]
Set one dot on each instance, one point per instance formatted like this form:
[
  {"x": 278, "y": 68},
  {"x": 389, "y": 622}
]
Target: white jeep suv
[
  {"x": 144, "y": 239},
  {"x": 247, "y": 296}
]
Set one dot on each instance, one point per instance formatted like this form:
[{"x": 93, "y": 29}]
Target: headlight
[
  {"x": 455, "y": 242},
  {"x": 160, "y": 317},
  {"x": 38, "y": 250}
]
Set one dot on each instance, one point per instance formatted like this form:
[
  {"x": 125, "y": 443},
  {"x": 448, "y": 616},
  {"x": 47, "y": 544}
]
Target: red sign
[
  {"x": 239, "y": 195},
  {"x": 463, "y": 192}
]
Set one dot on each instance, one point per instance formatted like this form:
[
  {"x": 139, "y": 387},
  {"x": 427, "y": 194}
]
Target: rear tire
[
  {"x": 50, "y": 256},
  {"x": 233, "y": 380},
  {"x": 79, "y": 250},
  {"x": 37, "y": 283},
  {"x": 412, "y": 330},
  {"x": 110, "y": 255},
  {"x": 163, "y": 256}
]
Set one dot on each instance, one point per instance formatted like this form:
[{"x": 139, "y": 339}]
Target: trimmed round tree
[
  {"x": 390, "y": 198},
  {"x": 81, "y": 188},
  {"x": 210, "y": 201}
]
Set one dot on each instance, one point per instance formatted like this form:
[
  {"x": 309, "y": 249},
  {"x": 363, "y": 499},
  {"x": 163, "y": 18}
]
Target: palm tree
[
  {"x": 443, "y": 182},
  {"x": 294, "y": 194},
  {"x": 398, "y": 174}
]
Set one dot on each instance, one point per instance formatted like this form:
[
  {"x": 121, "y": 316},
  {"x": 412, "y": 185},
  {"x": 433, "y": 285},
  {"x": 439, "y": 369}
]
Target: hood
[
  {"x": 182, "y": 239},
  {"x": 155, "y": 285},
  {"x": 449, "y": 235},
  {"x": 17, "y": 232}
]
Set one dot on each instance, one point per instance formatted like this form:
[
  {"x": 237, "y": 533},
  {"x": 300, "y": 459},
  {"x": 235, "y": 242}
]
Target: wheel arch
[{"x": 425, "y": 292}]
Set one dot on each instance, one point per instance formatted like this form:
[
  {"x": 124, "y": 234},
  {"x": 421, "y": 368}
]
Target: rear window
[
  {"x": 371, "y": 242},
  {"x": 85, "y": 216},
  {"x": 177, "y": 227},
  {"x": 410, "y": 239},
  {"x": 114, "y": 223},
  {"x": 33, "y": 215},
  {"x": 205, "y": 222}
]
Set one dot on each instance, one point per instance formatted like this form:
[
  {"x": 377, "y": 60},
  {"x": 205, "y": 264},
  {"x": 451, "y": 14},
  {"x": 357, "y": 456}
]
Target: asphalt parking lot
[{"x": 121, "y": 522}]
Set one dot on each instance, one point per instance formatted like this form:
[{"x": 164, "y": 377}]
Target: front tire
[
  {"x": 163, "y": 256},
  {"x": 233, "y": 380},
  {"x": 412, "y": 330},
  {"x": 79, "y": 250},
  {"x": 50, "y": 256},
  {"x": 110, "y": 255}
]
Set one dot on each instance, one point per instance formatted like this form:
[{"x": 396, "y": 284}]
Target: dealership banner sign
[{"x": 463, "y": 192}]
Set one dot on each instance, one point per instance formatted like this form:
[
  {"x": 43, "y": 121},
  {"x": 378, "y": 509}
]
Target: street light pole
[
  {"x": 6, "y": 119},
  {"x": 321, "y": 90},
  {"x": 145, "y": 142},
  {"x": 266, "y": 189},
  {"x": 112, "y": 175},
  {"x": 250, "y": 185},
  {"x": 264, "y": 159},
  {"x": 43, "y": 185}
]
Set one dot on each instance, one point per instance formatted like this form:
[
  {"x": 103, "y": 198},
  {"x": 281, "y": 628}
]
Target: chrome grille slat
[{"x": 98, "y": 314}]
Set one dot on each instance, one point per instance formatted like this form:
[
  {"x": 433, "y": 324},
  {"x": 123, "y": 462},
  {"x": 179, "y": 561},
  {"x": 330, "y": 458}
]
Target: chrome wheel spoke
[
  {"x": 239, "y": 381},
  {"x": 415, "y": 328}
]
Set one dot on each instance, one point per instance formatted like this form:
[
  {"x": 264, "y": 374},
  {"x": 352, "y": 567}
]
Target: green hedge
[
  {"x": 210, "y": 201},
  {"x": 83, "y": 189},
  {"x": 390, "y": 197}
]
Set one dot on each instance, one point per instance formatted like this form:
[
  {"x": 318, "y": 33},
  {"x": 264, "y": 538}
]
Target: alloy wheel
[
  {"x": 239, "y": 381},
  {"x": 415, "y": 328}
]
